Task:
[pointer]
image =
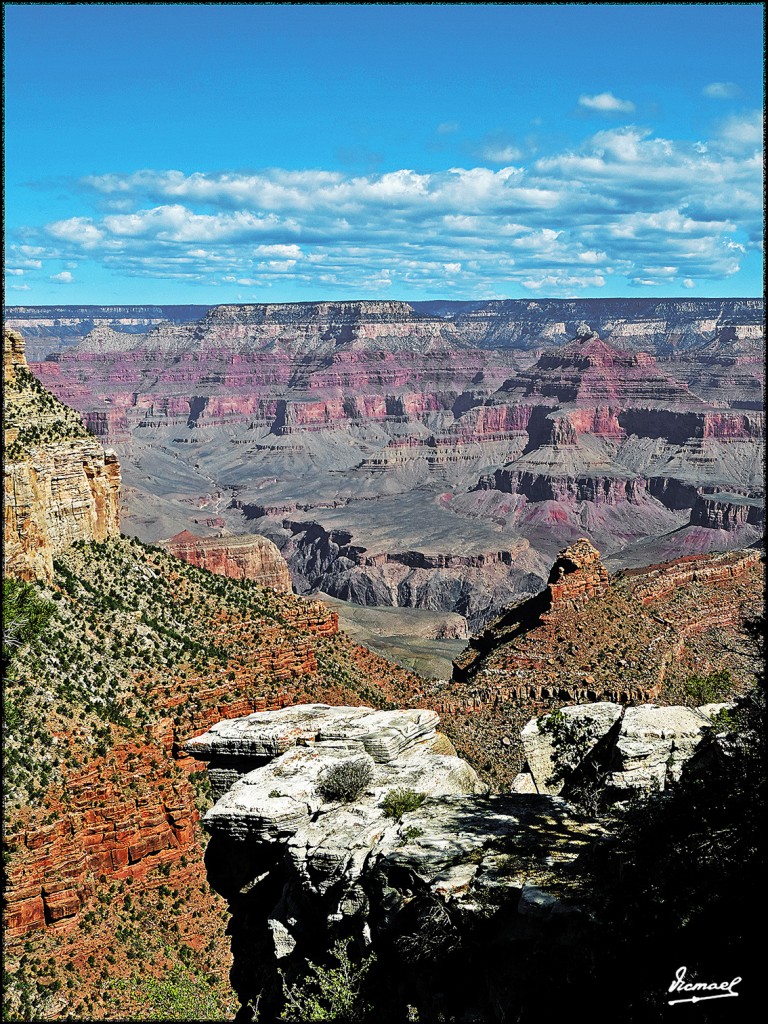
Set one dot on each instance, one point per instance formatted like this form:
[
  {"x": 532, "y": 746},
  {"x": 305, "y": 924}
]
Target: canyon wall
[
  {"x": 60, "y": 485},
  {"x": 403, "y": 428}
]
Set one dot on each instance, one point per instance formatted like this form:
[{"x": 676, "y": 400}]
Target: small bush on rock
[
  {"x": 398, "y": 801},
  {"x": 709, "y": 689},
  {"x": 346, "y": 780}
]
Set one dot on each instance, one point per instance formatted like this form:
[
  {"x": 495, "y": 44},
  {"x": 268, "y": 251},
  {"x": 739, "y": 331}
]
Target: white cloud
[
  {"x": 721, "y": 90},
  {"x": 80, "y": 230},
  {"x": 500, "y": 154},
  {"x": 14, "y": 271},
  {"x": 20, "y": 287},
  {"x": 688, "y": 282},
  {"x": 606, "y": 103},
  {"x": 65, "y": 277},
  {"x": 448, "y": 127},
  {"x": 625, "y": 202},
  {"x": 742, "y": 132}
]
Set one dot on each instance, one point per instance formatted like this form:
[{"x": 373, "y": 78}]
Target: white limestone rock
[
  {"x": 594, "y": 720},
  {"x": 654, "y": 744},
  {"x": 523, "y": 782},
  {"x": 271, "y": 733}
]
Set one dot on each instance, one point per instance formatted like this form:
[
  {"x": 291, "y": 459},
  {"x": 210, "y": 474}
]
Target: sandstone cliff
[
  {"x": 60, "y": 485},
  {"x": 245, "y": 557}
]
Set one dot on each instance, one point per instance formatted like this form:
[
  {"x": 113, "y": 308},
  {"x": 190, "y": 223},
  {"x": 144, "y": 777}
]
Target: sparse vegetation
[
  {"x": 571, "y": 740},
  {"x": 711, "y": 688},
  {"x": 347, "y": 780},
  {"x": 399, "y": 801},
  {"x": 330, "y": 993}
]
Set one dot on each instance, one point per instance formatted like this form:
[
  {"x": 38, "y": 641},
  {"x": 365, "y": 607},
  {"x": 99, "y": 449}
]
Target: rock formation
[
  {"x": 51, "y": 329},
  {"x": 60, "y": 485},
  {"x": 459, "y": 879},
  {"x": 248, "y": 557},
  {"x": 299, "y": 869},
  {"x": 108, "y": 829},
  {"x": 576, "y": 576},
  {"x": 614, "y": 750},
  {"x": 661, "y": 326}
]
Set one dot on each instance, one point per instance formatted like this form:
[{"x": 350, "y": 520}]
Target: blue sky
[{"x": 238, "y": 153}]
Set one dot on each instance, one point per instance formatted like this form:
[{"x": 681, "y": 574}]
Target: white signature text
[{"x": 715, "y": 989}]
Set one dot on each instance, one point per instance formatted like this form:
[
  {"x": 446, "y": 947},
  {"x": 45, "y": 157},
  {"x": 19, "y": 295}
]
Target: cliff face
[
  {"x": 455, "y": 893},
  {"x": 244, "y": 558},
  {"x": 662, "y": 326},
  {"x": 60, "y": 485},
  {"x": 142, "y": 652}
]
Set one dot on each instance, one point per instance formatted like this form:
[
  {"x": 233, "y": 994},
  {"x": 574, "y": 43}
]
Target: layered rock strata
[
  {"x": 109, "y": 826},
  {"x": 245, "y": 557},
  {"x": 323, "y": 420},
  {"x": 576, "y": 576},
  {"x": 60, "y": 485}
]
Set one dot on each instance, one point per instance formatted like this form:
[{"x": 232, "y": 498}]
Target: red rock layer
[
  {"x": 119, "y": 816},
  {"x": 250, "y": 557}
]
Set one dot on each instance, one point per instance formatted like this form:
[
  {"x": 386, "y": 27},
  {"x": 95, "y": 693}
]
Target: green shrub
[
  {"x": 329, "y": 993},
  {"x": 572, "y": 740},
  {"x": 25, "y": 616},
  {"x": 398, "y": 801},
  {"x": 709, "y": 689},
  {"x": 346, "y": 780},
  {"x": 410, "y": 833}
]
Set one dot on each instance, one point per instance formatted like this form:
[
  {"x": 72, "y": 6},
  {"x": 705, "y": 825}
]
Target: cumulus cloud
[
  {"x": 606, "y": 103},
  {"x": 721, "y": 90},
  {"x": 624, "y": 202},
  {"x": 743, "y": 132},
  {"x": 65, "y": 277}
]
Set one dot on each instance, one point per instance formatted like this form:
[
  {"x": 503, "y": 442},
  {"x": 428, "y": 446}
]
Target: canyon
[
  {"x": 145, "y": 653},
  {"x": 364, "y": 438}
]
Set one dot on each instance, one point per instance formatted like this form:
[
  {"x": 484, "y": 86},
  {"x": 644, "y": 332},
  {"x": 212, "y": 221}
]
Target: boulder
[
  {"x": 654, "y": 744},
  {"x": 546, "y": 757}
]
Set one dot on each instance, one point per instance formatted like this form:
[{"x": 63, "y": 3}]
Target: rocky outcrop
[
  {"x": 245, "y": 557},
  {"x": 614, "y": 751},
  {"x": 726, "y": 511},
  {"x": 60, "y": 486},
  {"x": 300, "y": 869},
  {"x": 654, "y": 583},
  {"x": 576, "y": 576}
]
